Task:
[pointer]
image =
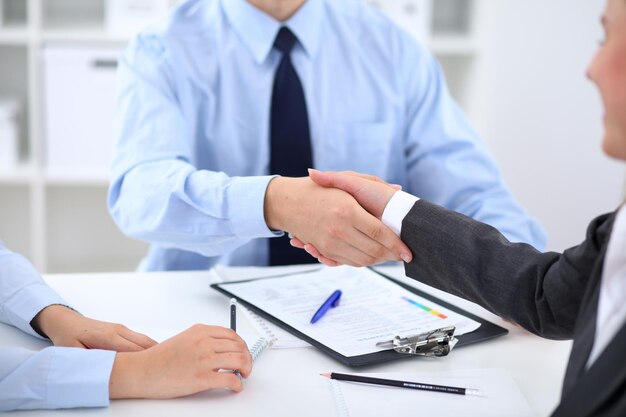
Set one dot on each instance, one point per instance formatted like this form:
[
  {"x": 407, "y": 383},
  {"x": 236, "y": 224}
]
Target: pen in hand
[
  {"x": 233, "y": 314},
  {"x": 233, "y": 324}
]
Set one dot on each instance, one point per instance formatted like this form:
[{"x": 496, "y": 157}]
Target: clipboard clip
[{"x": 438, "y": 342}]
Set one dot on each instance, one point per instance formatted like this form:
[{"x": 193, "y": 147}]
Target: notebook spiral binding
[
  {"x": 259, "y": 346},
  {"x": 340, "y": 402},
  {"x": 261, "y": 324}
]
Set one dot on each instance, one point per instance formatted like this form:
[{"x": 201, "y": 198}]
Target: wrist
[
  {"x": 276, "y": 197},
  {"x": 52, "y": 318},
  {"x": 125, "y": 380}
]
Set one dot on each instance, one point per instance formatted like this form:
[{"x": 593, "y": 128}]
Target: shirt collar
[{"x": 258, "y": 30}]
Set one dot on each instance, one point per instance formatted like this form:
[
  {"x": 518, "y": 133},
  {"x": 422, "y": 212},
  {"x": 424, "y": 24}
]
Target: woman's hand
[
  {"x": 65, "y": 327},
  {"x": 200, "y": 358}
]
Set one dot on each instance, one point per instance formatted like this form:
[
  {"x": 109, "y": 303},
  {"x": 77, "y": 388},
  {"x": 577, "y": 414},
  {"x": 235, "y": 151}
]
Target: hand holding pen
[{"x": 233, "y": 324}]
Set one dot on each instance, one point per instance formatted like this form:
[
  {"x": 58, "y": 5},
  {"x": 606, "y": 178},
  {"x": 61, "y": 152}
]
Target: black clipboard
[{"x": 486, "y": 331}]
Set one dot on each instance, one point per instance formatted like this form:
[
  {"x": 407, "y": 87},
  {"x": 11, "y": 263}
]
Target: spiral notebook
[{"x": 501, "y": 395}]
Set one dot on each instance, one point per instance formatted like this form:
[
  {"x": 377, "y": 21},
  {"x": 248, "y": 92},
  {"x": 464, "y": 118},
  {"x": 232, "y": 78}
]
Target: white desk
[{"x": 283, "y": 382}]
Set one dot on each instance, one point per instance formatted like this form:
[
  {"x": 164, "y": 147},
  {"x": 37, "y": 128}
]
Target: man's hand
[
  {"x": 190, "y": 362},
  {"x": 370, "y": 192},
  {"x": 332, "y": 221},
  {"x": 66, "y": 327}
]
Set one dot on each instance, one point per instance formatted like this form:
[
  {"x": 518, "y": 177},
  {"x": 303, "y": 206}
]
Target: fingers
[
  {"x": 111, "y": 342},
  {"x": 296, "y": 243},
  {"x": 121, "y": 344},
  {"x": 381, "y": 234},
  {"x": 362, "y": 241},
  {"x": 364, "y": 176},
  {"x": 360, "y": 249},
  {"x": 226, "y": 380},
  {"x": 369, "y": 242},
  {"x": 215, "y": 332},
  {"x": 374, "y": 178},
  {"x": 227, "y": 345},
  {"x": 327, "y": 179},
  {"x": 372, "y": 195},
  {"x": 230, "y": 350},
  {"x": 117, "y": 337},
  {"x": 241, "y": 361},
  {"x": 137, "y": 338},
  {"x": 311, "y": 250}
]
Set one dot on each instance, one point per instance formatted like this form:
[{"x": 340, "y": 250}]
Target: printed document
[{"x": 371, "y": 309}]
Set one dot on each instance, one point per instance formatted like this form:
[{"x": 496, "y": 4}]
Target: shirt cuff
[
  {"x": 24, "y": 305},
  {"x": 79, "y": 377},
  {"x": 246, "y": 205},
  {"x": 397, "y": 208}
]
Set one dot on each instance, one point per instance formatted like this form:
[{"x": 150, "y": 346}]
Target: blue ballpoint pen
[{"x": 332, "y": 301}]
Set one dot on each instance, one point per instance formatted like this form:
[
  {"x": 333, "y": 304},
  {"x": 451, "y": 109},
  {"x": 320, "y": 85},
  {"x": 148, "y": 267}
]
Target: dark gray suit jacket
[{"x": 550, "y": 294}]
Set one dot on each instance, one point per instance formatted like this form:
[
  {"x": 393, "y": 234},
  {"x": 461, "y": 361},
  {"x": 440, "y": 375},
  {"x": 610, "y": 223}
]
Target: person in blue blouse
[
  {"x": 94, "y": 361},
  {"x": 224, "y": 104}
]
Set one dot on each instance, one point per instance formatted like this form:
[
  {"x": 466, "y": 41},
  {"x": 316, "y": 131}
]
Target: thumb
[
  {"x": 346, "y": 183},
  {"x": 373, "y": 196}
]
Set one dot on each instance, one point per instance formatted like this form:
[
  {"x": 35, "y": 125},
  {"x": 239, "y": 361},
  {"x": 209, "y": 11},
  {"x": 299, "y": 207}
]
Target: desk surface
[{"x": 284, "y": 382}]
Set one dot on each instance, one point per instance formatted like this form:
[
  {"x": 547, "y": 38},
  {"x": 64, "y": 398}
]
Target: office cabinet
[
  {"x": 78, "y": 106},
  {"x": 57, "y": 59}
]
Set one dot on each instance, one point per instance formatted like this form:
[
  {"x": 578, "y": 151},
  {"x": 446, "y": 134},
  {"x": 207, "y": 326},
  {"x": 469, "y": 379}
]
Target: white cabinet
[
  {"x": 78, "y": 105},
  {"x": 56, "y": 59}
]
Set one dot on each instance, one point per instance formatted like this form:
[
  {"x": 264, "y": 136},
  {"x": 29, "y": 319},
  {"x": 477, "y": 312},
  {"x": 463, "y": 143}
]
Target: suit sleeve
[{"x": 540, "y": 291}]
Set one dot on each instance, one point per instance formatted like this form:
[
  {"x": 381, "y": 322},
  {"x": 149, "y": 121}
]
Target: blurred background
[{"x": 517, "y": 68}]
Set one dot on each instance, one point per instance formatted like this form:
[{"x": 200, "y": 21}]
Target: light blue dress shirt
[
  {"x": 55, "y": 377},
  {"x": 191, "y": 163}
]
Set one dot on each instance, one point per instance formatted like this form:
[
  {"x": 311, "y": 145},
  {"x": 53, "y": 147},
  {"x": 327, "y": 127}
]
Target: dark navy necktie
[{"x": 290, "y": 149}]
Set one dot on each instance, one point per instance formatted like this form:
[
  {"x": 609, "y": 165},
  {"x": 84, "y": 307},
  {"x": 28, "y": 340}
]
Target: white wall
[{"x": 543, "y": 116}]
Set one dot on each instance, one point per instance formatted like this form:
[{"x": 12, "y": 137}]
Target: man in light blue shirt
[
  {"x": 191, "y": 169},
  {"x": 68, "y": 375}
]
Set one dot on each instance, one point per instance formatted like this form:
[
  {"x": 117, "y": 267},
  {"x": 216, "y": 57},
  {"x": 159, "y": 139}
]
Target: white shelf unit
[{"x": 59, "y": 220}]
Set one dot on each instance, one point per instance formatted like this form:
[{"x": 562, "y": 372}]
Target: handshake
[{"x": 336, "y": 217}]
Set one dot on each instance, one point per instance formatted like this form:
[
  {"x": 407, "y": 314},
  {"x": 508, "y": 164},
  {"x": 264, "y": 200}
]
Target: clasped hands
[{"x": 336, "y": 217}]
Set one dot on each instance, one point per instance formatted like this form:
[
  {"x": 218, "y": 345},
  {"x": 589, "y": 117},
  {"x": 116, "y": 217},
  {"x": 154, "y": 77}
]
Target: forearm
[
  {"x": 540, "y": 291},
  {"x": 196, "y": 210},
  {"x": 53, "y": 320},
  {"x": 127, "y": 376}
]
